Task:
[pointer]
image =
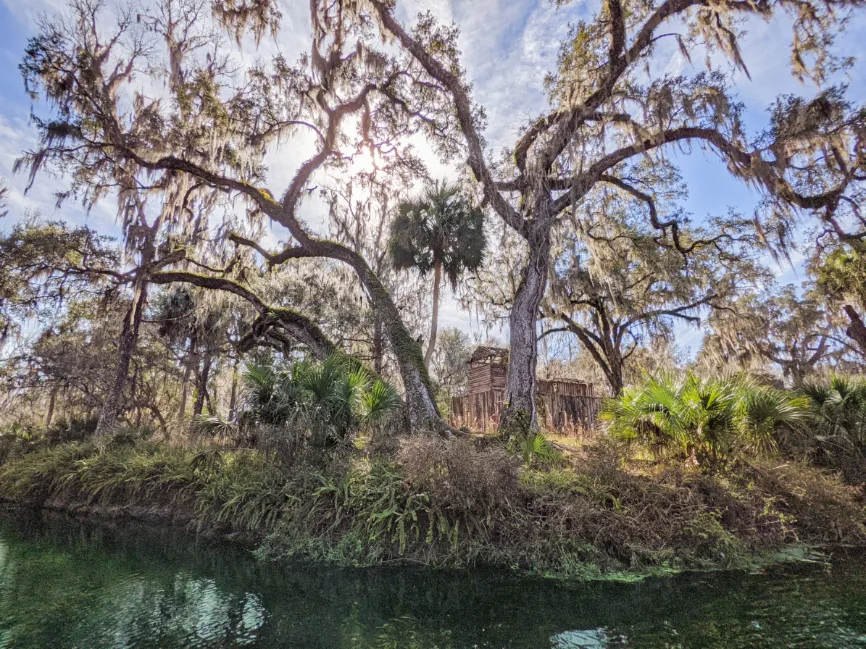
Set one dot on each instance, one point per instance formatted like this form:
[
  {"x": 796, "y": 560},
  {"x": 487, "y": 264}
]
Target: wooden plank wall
[
  {"x": 561, "y": 413},
  {"x": 484, "y": 377},
  {"x": 565, "y": 387}
]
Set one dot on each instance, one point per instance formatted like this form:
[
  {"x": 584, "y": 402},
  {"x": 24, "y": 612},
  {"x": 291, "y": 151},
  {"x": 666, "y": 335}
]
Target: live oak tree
[
  {"x": 85, "y": 74},
  {"x": 438, "y": 231},
  {"x": 152, "y": 104},
  {"x": 618, "y": 291},
  {"x": 43, "y": 265},
  {"x": 361, "y": 209},
  {"x": 840, "y": 275},
  {"x": 63, "y": 296},
  {"x": 205, "y": 328},
  {"x": 608, "y": 111},
  {"x": 785, "y": 327}
]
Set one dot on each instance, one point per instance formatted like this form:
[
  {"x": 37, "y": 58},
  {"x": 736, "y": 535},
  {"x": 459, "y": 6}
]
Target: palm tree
[{"x": 440, "y": 231}]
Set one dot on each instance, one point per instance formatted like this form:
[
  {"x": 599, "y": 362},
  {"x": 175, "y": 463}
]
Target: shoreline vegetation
[
  {"x": 255, "y": 345},
  {"x": 584, "y": 510}
]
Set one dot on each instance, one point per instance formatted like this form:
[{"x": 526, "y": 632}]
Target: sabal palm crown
[
  {"x": 840, "y": 408},
  {"x": 441, "y": 227},
  {"x": 442, "y": 231}
]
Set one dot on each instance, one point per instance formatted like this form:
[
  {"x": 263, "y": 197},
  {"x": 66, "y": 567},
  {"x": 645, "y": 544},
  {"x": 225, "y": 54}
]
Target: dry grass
[
  {"x": 465, "y": 501},
  {"x": 458, "y": 474}
]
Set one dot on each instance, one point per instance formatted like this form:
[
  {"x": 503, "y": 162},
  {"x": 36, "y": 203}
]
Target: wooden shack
[{"x": 564, "y": 405}]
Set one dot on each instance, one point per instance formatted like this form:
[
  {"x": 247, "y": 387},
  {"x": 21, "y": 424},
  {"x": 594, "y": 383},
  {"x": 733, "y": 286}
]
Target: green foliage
[
  {"x": 324, "y": 402},
  {"x": 709, "y": 420},
  {"x": 44, "y": 264},
  {"x": 440, "y": 228},
  {"x": 533, "y": 448},
  {"x": 454, "y": 503},
  {"x": 841, "y": 274},
  {"x": 839, "y": 415},
  {"x": 17, "y": 440}
]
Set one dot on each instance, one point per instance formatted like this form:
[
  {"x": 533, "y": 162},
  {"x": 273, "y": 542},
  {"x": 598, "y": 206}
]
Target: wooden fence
[{"x": 561, "y": 413}]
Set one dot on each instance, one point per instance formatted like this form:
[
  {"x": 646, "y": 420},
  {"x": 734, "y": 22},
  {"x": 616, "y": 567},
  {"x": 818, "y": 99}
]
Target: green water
[{"x": 64, "y": 584}]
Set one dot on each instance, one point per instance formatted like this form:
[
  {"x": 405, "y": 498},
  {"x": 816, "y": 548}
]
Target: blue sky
[{"x": 507, "y": 45}]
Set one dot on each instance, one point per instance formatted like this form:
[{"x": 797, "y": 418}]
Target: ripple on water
[{"x": 68, "y": 585}]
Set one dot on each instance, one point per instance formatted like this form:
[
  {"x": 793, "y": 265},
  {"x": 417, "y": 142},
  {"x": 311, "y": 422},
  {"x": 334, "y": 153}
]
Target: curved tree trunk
[
  {"x": 378, "y": 345},
  {"x": 434, "y": 324},
  {"x": 126, "y": 346},
  {"x": 420, "y": 401},
  {"x": 519, "y": 414}
]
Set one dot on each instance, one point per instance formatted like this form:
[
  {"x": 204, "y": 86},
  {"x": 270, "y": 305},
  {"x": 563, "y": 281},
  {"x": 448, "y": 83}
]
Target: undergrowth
[{"x": 457, "y": 503}]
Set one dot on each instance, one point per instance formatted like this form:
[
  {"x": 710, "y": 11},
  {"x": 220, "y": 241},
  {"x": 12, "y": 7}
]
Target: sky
[{"x": 507, "y": 46}]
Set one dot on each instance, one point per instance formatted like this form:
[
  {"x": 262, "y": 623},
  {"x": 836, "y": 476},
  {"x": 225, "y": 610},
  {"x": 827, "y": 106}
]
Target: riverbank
[{"x": 454, "y": 504}]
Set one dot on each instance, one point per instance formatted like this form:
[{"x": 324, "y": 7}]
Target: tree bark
[
  {"x": 857, "y": 329},
  {"x": 52, "y": 400},
  {"x": 421, "y": 406},
  {"x": 126, "y": 346},
  {"x": 420, "y": 402},
  {"x": 434, "y": 324},
  {"x": 201, "y": 385},
  {"x": 189, "y": 362},
  {"x": 233, "y": 396},
  {"x": 378, "y": 345},
  {"x": 521, "y": 384},
  {"x": 615, "y": 375}
]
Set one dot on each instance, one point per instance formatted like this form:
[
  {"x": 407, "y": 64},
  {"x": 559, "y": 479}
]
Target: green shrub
[
  {"x": 320, "y": 403},
  {"x": 18, "y": 440},
  {"x": 708, "y": 420},
  {"x": 838, "y": 437},
  {"x": 458, "y": 502}
]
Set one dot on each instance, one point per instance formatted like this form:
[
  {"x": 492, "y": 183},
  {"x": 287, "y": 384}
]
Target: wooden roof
[{"x": 483, "y": 353}]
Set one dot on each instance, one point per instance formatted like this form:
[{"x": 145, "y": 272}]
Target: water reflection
[{"x": 64, "y": 584}]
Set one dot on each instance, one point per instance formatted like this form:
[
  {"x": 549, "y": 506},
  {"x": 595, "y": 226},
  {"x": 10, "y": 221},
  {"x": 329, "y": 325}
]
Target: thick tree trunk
[
  {"x": 378, "y": 345},
  {"x": 434, "y": 324},
  {"x": 520, "y": 410},
  {"x": 201, "y": 385},
  {"x": 126, "y": 346},
  {"x": 857, "y": 329},
  {"x": 420, "y": 401},
  {"x": 233, "y": 396},
  {"x": 615, "y": 376}
]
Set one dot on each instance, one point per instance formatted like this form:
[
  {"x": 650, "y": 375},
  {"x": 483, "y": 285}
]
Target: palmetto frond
[
  {"x": 330, "y": 400},
  {"x": 707, "y": 418}
]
